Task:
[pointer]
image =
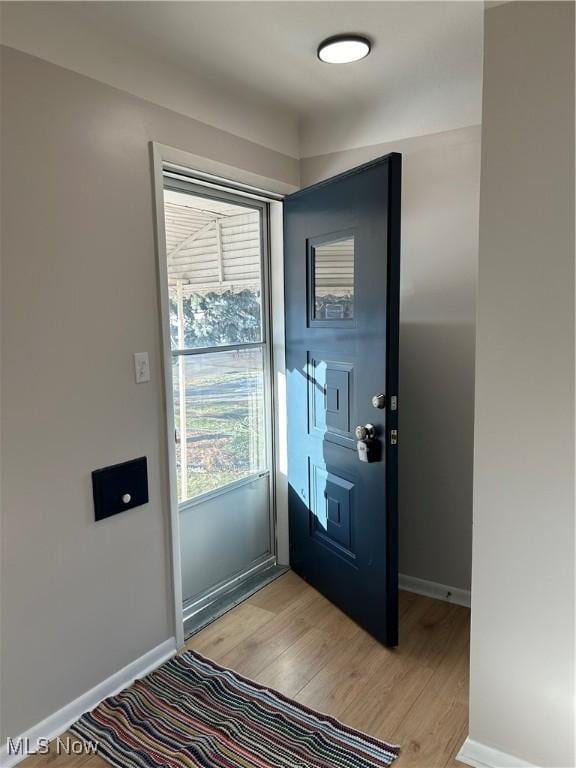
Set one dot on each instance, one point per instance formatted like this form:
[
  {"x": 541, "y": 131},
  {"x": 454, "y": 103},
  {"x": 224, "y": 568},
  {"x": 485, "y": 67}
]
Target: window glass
[
  {"x": 213, "y": 249},
  {"x": 215, "y": 319},
  {"x": 333, "y": 265},
  {"x": 220, "y": 419}
]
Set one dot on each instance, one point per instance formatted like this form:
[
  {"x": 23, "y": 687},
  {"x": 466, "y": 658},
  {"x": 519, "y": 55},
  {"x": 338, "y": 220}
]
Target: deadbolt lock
[{"x": 379, "y": 401}]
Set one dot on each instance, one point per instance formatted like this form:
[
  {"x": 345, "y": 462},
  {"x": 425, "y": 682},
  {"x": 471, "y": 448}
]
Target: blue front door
[{"x": 342, "y": 273}]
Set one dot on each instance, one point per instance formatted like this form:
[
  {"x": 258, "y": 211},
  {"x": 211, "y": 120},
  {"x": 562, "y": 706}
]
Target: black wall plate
[{"x": 120, "y": 487}]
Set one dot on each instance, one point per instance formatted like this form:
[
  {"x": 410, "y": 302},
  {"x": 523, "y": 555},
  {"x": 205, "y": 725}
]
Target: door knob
[{"x": 366, "y": 432}]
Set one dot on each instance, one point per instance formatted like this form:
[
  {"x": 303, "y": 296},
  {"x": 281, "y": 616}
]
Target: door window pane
[
  {"x": 214, "y": 255},
  {"x": 220, "y": 419},
  {"x": 215, "y": 318},
  {"x": 334, "y": 280}
]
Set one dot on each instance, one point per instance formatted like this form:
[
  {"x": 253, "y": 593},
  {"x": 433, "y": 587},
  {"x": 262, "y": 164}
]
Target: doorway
[
  {"x": 340, "y": 276},
  {"x": 217, "y": 269}
]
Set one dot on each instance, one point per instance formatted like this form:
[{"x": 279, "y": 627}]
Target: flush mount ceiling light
[{"x": 342, "y": 49}]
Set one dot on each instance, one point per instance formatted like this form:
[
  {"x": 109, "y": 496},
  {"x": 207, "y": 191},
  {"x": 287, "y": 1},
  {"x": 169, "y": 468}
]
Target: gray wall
[
  {"x": 79, "y": 295},
  {"x": 440, "y": 198},
  {"x": 522, "y": 656}
]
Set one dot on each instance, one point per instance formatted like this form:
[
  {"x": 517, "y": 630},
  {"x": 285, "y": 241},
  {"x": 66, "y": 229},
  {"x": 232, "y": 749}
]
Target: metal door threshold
[{"x": 225, "y": 602}]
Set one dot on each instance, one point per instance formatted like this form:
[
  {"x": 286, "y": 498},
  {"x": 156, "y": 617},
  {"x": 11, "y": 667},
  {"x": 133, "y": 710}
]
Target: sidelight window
[{"x": 218, "y": 336}]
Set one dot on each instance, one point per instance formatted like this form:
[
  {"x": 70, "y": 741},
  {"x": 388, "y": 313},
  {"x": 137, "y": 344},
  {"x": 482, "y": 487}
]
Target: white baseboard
[
  {"x": 55, "y": 724},
  {"x": 480, "y": 756},
  {"x": 433, "y": 589}
]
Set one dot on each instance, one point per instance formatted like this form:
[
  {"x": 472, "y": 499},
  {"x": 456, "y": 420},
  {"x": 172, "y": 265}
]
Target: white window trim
[{"x": 214, "y": 173}]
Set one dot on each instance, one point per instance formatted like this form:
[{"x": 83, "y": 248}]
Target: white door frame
[{"x": 215, "y": 173}]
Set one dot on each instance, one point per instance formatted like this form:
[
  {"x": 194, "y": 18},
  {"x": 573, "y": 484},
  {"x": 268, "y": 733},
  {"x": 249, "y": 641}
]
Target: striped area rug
[{"x": 192, "y": 712}]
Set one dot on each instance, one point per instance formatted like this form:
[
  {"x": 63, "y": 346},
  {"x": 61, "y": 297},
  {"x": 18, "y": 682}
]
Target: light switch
[{"x": 141, "y": 367}]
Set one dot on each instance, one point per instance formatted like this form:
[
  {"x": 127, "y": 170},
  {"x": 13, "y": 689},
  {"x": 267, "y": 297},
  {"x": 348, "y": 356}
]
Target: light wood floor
[{"x": 289, "y": 637}]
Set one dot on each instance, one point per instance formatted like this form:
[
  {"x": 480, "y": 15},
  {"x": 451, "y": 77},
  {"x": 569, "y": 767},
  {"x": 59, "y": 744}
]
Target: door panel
[
  {"x": 223, "y": 534},
  {"x": 217, "y": 302},
  {"x": 330, "y": 385},
  {"x": 342, "y": 259},
  {"x": 331, "y": 510}
]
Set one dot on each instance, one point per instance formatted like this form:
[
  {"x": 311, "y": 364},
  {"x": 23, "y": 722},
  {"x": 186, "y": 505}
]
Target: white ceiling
[{"x": 251, "y": 67}]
